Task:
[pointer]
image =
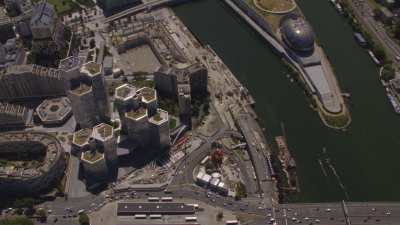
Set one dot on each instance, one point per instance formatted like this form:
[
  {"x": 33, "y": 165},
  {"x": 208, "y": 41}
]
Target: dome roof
[{"x": 297, "y": 33}]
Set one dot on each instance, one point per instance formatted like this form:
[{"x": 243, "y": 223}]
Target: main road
[{"x": 364, "y": 14}]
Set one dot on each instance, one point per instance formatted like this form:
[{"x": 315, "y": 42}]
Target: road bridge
[{"x": 142, "y": 7}]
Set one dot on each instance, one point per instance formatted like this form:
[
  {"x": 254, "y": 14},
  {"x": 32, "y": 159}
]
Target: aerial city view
[{"x": 199, "y": 112}]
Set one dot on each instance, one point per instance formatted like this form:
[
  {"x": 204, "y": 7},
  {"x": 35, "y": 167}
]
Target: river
[{"x": 366, "y": 156}]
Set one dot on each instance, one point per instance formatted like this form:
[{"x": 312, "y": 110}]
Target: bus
[
  {"x": 190, "y": 219},
  {"x": 140, "y": 216},
  {"x": 153, "y": 199},
  {"x": 195, "y": 206},
  {"x": 155, "y": 216},
  {"x": 166, "y": 199}
]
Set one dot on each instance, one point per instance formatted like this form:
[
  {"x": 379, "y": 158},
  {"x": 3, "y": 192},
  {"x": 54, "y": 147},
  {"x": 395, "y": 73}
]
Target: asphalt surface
[{"x": 364, "y": 13}]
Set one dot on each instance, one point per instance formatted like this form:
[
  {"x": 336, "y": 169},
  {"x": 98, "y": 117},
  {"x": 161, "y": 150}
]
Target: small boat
[
  {"x": 339, "y": 8},
  {"x": 373, "y": 57}
]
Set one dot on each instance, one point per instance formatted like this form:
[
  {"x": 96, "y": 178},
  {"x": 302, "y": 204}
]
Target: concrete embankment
[{"x": 260, "y": 25}]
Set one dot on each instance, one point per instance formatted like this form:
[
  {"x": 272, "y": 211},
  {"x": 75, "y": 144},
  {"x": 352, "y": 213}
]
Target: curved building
[
  {"x": 298, "y": 34},
  {"x": 32, "y": 174},
  {"x": 298, "y": 39}
]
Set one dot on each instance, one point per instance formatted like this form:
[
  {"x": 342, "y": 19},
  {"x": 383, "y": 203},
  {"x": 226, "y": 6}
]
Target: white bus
[
  {"x": 232, "y": 222},
  {"x": 166, "y": 199},
  {"x": 153, "y": 199},
  {"x": 140, "y": 216},
  {"x": 195, "y": 206},
  {"x": 155, "y": 216},
  {"x": 190, "y": 219}
]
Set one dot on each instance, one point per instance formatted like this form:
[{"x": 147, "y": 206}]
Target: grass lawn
[
  {"x": 62, "y": 6},
  {"x": 278, "y": 5}
]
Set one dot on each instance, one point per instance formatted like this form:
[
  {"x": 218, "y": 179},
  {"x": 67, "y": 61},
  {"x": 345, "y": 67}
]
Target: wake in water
[{"x": 330, "y": 165}]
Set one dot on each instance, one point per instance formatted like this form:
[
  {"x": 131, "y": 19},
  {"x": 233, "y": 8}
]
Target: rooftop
[
  {"x": 103, "y": 130},
  {"x": 154, "y": 208},
  {"x": 70, "y": 62},
  {"x": 92, "y": 68},
  {"x": 92, "y": 156},
  {"x": 160, "y": 117},
  {"x": 54, "y": 110},
  {"x": 82, "y": 88},
  {"x": 148, "y": 94},
  {"x": 81, "y": 137},
  {"x": 136, "y": 114},
  {"x": 124, "y": 91}
]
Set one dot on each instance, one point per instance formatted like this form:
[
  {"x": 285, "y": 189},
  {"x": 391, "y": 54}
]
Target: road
[{"x": 364, "y": 14}]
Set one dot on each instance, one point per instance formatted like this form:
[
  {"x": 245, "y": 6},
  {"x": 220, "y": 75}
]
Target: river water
[{"x": 366, "y": 157}]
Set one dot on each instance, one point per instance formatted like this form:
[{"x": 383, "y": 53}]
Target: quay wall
[{"x": 254, "y": 20}]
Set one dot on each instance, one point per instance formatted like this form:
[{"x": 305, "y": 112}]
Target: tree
[
  {"x": 220, "y": 215},
  {"x": 84, "y": 219},
  {"x": 240, "y": 191},
  {"x": 42, "y": 214},
  {"x": 24, "y": 203},
  {"x": 16, "y": 221},
  {"x": 388, "y": 72},
  {"x": 217, "y": 157}
]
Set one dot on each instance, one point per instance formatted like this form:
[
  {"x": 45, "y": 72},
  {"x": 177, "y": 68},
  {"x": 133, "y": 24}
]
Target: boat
[
  {"x": 360, "y": 39},
  {"x": 287, "y": 162},
  {"x": 339, "y": 8},
  {"x": 373, "y": 57}
]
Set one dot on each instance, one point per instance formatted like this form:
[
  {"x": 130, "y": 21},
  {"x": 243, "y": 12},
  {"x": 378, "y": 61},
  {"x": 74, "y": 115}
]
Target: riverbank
[{"x": 330, "y": 107}]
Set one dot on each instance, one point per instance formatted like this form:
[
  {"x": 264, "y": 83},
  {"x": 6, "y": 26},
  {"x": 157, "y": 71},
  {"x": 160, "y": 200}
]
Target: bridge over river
[{"x": 355, "y": 213}]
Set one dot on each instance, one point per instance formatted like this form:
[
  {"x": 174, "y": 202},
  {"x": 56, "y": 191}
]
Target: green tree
[
  {"x": 220, "y": 215},
  {"x": 24, "y": 203},
  {"x": 388, "y": 72},
  {"x": 240, "y": 191},
  {"x": 16, "y": 221},
  {"x": 84, "y": 219},
  {"x": 42, "y": 214}
]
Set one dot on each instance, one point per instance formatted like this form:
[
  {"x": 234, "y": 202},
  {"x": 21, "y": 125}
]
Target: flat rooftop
[
  {"x": 154, "y": 208},
  {"x": 125, "y": 91},
  {"x": 160, "y": 117},
  {"x": 91, "y": 68},
  {"x": 92, "y": 156},
  {"x": 149, "y": 94},
  {"x": 81, "y": 137},
  {"x": 102, "y": 131},
  {"x": 136, "y": 114},
  {"x": 82, "y": 88}
]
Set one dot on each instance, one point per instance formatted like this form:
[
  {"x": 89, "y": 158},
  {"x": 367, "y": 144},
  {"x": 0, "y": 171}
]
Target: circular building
[
  {"x": 34, "y": 162},
  {"x": 54, "y": 111},
  {"x": 297, "y": 33}
]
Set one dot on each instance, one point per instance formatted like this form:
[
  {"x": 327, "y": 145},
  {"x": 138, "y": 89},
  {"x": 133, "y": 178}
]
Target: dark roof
[
  {"x": 154, "y": 208},
  {"x": 43, "y": 15},
  {"x": 297, "y": 33}
]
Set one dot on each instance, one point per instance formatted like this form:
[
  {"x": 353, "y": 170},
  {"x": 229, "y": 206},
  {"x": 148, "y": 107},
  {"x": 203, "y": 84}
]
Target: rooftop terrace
[
  {"x": 125, "y": 91},
  {"x": 136, "y": 114},
  {"x": 82, "y": 88},
  {"x": 82, "y": 136},
  {"x": 92, "y": 156},
  {"x": 148, "y": 94},
  {"x": 104, "y": 130}
]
